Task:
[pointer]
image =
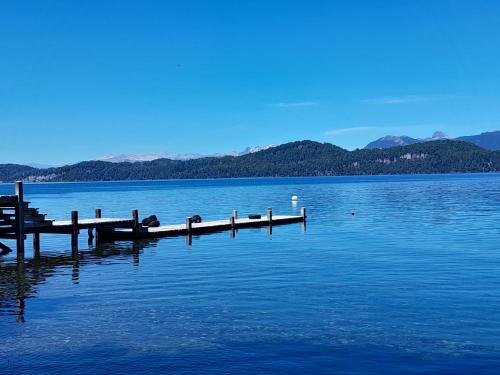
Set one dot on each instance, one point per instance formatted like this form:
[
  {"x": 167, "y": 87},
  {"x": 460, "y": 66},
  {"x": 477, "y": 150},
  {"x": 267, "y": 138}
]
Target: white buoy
[{"x": 295, "y": 198}]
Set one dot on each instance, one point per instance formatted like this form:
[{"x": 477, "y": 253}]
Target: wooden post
[
  {"x": 74, "y": 230},
  {"x": 36, "y": 245},
  {"x": 270, "y": 218},
  {"x": 20, "y": 221},
  {"x": 189, "y": 224},
  {"x": 233, "y": 226},
  {"x": 235, "y": 214},
  {"x": 135, "y": 216},
  {"x": 98, "y": 215},
  {"x": 189, "y": 228},
  {"x": 303, "y": 213}
]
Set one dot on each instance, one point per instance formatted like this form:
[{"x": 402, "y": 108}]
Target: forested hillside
[{"x": 304, "y": 158}]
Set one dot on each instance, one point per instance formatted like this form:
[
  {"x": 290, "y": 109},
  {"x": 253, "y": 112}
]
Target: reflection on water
[{"x": 19, "y": 282}]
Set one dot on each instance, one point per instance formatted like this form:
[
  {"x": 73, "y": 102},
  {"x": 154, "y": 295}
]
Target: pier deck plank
[
  {"x": 65, "y": 226},
  {"x": 123, "y": 228},
  {"x": 205, "y": 227},
  {"x": 92, "y": 223}
]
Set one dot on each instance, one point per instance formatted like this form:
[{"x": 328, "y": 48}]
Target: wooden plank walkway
[
  {"x": 204, "y": 227},
  {"x": 66, "y": 226}
]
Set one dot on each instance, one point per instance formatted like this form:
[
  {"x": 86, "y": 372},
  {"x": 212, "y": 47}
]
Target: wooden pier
[{"x": 18, "y": 219}]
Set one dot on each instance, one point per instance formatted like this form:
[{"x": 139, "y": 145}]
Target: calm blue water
[{"x": 409, "y": 284}]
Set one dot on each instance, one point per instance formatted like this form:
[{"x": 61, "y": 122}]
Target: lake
[{"x": 393, "y": 274}]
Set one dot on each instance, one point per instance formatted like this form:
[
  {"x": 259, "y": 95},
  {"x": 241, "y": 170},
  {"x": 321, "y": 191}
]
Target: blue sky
[{"x": 82, "y": 79}]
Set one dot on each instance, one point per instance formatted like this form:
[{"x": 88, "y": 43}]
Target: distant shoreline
[{"x": 374, "y": 177}]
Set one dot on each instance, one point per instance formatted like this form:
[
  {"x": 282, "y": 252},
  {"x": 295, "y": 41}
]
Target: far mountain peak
[
  {"x": 489, "y": 140},
  {"x": 392, "y": 141},
  {"x": 439, "y": 135}
]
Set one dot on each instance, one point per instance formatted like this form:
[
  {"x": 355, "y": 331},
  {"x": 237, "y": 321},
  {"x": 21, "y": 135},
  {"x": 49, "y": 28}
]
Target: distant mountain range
[
  {"x": 303, "y": 158},
  {"x": 131, "y": 158},
  {"x": 488, "y": 140}
]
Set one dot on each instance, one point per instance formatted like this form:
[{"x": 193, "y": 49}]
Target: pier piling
[
  {"x": 36, "y": 245},
  {"x": 98, "y": 215},
  {"x": 74, "y": 230},
  {"x": 270, "y": 215},
  {"x": 270, "y": 219},
  {"x": 135, "y": 217},
  {"x": 19, "y": 213},
  {"x": 232, "y": 221}
]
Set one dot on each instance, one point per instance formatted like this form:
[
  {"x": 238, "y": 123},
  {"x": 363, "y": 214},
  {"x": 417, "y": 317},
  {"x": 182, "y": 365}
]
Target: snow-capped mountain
[
  {"x": 132, "y": 158},
  {"x": 251, "y": 150}
]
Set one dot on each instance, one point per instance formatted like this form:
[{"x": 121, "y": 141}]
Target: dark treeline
[{"x": 304, "y": 158}]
